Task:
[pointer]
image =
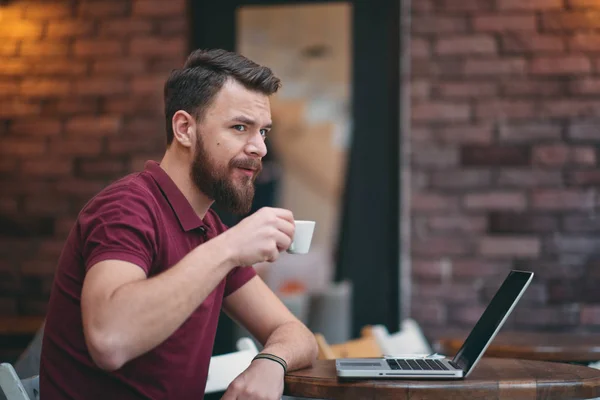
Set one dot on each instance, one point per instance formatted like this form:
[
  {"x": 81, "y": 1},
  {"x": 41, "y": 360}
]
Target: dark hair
[{"x": 204, "y": 73}]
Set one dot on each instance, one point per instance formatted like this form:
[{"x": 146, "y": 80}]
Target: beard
[{"x": 233, "y": 194}]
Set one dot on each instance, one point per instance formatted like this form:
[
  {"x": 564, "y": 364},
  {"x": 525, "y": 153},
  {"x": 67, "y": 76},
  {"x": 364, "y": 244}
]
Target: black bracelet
[{"x": 272, "y": 357}]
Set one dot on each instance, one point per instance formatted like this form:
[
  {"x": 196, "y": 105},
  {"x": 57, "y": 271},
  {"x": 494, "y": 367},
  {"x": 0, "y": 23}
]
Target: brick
[
  {"x": 148, "y": 84},
  {"x": 530, "y": 5},
  {"x": 84, "y": 188},
  {"x": 37, "y": 127},
  {"x": 462, "y": 90},
  {"x": 476, "y": 268},
  {"x": 495, "y": 201},
  {"x": 69, "y": 28},
  {"x": 474, "y": 134},
  {"x": 502, "y": 23},
  {"x": 8, "y": 47},
  {"x": 584, "y": 130},
  {"x": 47, "y": 167},
  {"x": 465, "y": 5},
  {"x": 474, "y": 155},
  {"x": 119, "y": 67},
  {"x": 9, "y": 88},
  {"x": 473, "y": 44},
  {"x": 501, "y": 66},
  {"x": 429, "y": 312},
  {"x": 8, "y": 165},
  {"x": 421, "y": 135},
  {"x": 435, "y": 156},
  {"x": 76, "y": 147},
  {"x": 448, "y": 67},
  {"x": 461, "y": 179},
  {"x": 457, "y": 293},
  {"x": 45, "y": 207},
  {"x": 440, "y": 246},
  {"x": 22, "y": 147},
  {"x": 529, "y": 177},
  {"x": 100, "y": 168},
  {"x": 569, "y": 21},
  {"x": 158, "y": 8},
  {"x": 438, "y": 24},
  {"x": 420, "y": 48},
  {"x": 529, "y": 132},
  {"x": 419, "y": 90},
  {"x": 63, "y": 225},
  {"x": 581, "y": 223},
  {"x": 424, "y": 6},
  {"x": 551, "y": 155},
  {"x": 45, "y": 87},
  {"x": 13, "y": 68},
  {"x": 465, "y": 315},
  {"x": 39, "y": 268},
  {"x": 584, "y": 42},
  {"x": 153, "y": 46},
  {"x": 534, "y": 88},
  {"x": 173, "y": 27},
  {"x": 48, "y": 11},
  {"x": 559, "y": 244},
  {"x": 98, "y": 8},
  {"x": 440, "y": 112},
  {"x": 120, "y": 146},
  {"x": 510, "y": 247},
  {"x": 19, "y": 29},
  {"x": 585, "y": 86},
  {"x": 8, "y": 306},
  {"x": 125, "y": 27},
  {"x": 584, "y": 156},
  {"x": 458, "y": 223},
  {"x": 103, "y": 86},
  {"x": 510, "y": 223},
  {"x": 18, "y": 108},
  {"x": 99, "y": 47},
  {"x": 569, "y": 108},
  {"x": 582, "y": 4},
  {"x": 564, "y": 291},
  {"x": 71, "y": 106},
  {"x": 560, "y": 65},
  {"x": 428, "y": 270},
  {"x": 590, "y": 314},
  {"x": 517, "y": 42},
  {"x": 562, "y": 199},
  {"x": 585, "y": 178},
  {"x": 45, "y": 49},
  {"x": 65, "y": 67},
  {"x": 93, "y": 126},
  {"x": 424, "y": 201}
]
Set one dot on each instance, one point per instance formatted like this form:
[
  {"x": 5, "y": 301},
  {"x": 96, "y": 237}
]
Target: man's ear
[{"x": 184, "y": 128}]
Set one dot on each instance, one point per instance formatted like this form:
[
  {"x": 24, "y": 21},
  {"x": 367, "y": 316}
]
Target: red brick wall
[
  {"x": 80, "y": 105},
  {"x": 505, "y": 140}
]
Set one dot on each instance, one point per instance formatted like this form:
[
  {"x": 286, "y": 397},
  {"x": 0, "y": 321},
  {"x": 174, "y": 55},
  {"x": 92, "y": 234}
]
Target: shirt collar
[{"x": 188, "y": 219}]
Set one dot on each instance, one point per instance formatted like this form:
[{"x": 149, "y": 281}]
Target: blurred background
[{"x": 437, "y": 143}]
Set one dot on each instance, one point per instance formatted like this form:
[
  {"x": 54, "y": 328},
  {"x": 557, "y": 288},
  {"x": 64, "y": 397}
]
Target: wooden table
[
  {"x": 581, "y": 348},
  {"x": 492, "y": 378}
]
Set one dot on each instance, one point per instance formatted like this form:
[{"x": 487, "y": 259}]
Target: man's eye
[
  {"x": 240, "y": 128},
  {"x": 264, "y": 132}
]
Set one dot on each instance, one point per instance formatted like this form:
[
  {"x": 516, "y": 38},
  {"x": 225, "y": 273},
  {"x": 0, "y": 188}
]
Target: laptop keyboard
[{"x": 415, "y": 364}]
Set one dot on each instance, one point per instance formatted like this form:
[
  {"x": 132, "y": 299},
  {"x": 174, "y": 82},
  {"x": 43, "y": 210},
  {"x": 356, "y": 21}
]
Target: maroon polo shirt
[{"x": 143, "y": 219}]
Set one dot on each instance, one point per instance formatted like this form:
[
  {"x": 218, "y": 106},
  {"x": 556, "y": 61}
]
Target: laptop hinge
[{"x": 454, "y": 364}]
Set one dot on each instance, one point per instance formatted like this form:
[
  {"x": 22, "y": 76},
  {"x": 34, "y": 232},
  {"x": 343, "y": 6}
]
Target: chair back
[
  {"x": 223, "y": 369},
  {"x": 12, "y": 386}
]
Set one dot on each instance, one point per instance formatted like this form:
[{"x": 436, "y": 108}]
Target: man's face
[{"x": 230, "y": 145}]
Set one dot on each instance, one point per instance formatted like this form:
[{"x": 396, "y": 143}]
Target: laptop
[{"x": 439, "y": 367}]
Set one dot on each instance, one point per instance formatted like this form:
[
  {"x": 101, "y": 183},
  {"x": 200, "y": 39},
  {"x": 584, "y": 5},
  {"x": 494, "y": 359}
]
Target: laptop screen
[{"x": 491, "y": 319}]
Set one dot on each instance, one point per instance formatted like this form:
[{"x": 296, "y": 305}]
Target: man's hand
[
  {"x": 262, "y": 380},
  {"x": 261, "y": 236}
]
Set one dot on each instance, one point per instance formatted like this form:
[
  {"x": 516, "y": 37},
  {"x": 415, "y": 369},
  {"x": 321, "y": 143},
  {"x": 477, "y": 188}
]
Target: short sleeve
[
  {"x": 237, "y": 278},
  {"x": 118, "y": 225}
]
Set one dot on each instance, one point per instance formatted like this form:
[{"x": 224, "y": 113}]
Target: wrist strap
[{"x": 272, "y": 357}]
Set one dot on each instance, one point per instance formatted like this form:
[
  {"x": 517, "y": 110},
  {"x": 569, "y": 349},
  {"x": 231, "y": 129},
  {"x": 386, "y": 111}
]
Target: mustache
[{"x": 246, "y": 163}]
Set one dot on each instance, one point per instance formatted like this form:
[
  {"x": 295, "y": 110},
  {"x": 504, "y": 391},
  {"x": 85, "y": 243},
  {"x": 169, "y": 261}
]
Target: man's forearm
[
  {"x": 140, "y": 315},
  {"x": 293, "y": 342}
]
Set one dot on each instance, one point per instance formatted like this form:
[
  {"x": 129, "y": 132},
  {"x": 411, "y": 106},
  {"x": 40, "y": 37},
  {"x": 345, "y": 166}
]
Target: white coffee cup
[{"x": 302, "y": 237}]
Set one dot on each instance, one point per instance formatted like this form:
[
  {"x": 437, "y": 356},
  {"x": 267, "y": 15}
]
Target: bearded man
[{"x": 148, "y": 265}]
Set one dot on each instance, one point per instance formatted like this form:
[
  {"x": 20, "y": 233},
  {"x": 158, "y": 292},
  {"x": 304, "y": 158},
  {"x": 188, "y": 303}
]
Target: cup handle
[{"x": 291, "y": 248}]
